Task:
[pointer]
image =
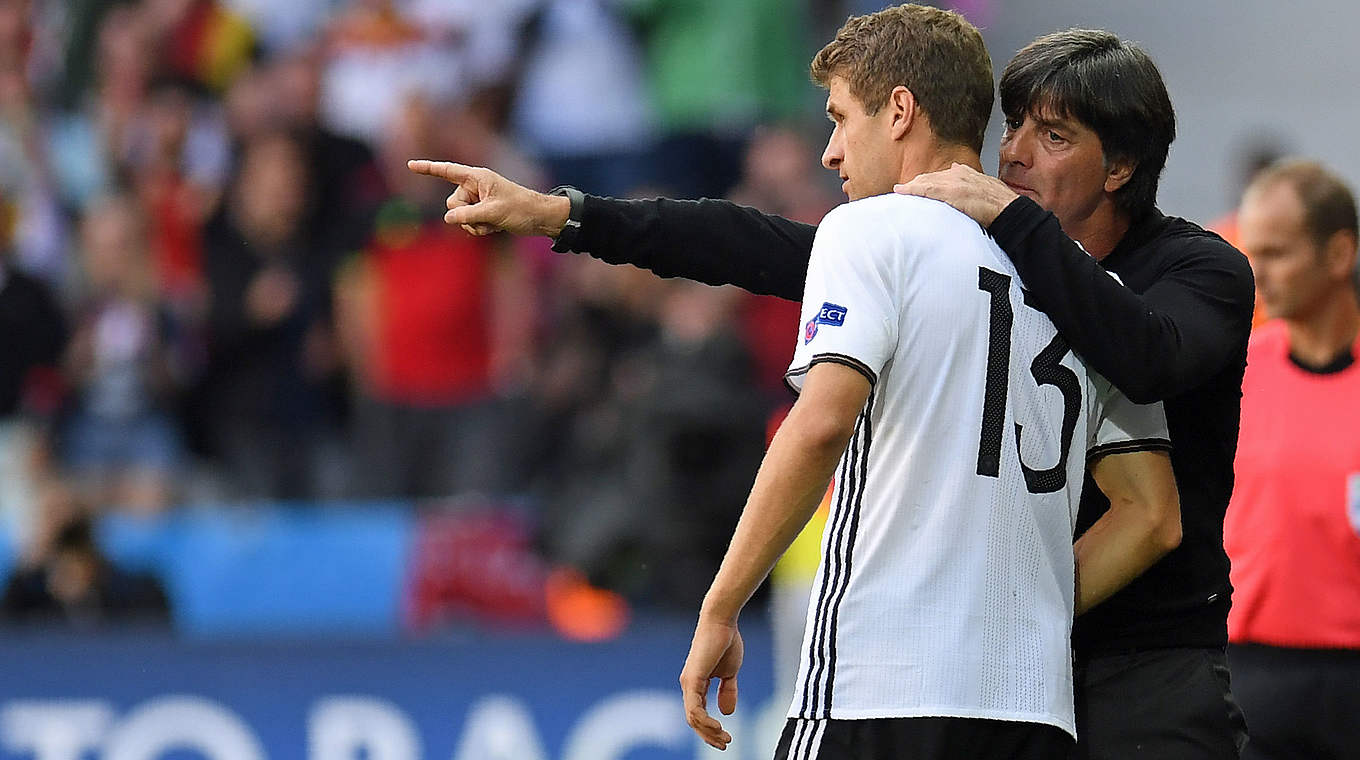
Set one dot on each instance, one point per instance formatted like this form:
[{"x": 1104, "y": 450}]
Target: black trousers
[
  {"x": 1303, "y": 704},
  {"x": 921, "y": 739},
  {"x": 1161, "y": 704}
]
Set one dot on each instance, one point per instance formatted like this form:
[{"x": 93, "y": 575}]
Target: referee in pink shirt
[{"x": 1293, "y": 525}]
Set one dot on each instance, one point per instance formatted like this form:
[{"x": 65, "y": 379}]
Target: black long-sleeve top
[{"x": 1177, "y": 333}]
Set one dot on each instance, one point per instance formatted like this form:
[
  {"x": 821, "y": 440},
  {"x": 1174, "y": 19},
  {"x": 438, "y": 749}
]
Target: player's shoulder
[{"x": 908, "y": 217}]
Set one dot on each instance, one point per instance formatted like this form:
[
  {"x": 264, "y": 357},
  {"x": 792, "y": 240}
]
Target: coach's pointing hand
[
  {"x": 979, "y": 196},
  {"x": 716, "y": 652},
  {"x": 485, "y": 202}
]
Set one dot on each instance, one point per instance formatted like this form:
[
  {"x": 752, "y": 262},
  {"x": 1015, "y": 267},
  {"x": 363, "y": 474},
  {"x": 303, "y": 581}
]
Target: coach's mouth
[{"x": 1028, "y": 192}]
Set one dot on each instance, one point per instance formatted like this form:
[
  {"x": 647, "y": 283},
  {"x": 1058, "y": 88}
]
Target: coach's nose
[{"x": 1016, "y": 146}]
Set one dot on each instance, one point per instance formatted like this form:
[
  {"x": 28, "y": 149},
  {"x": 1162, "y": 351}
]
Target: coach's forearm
[
  {"x": 1141, "y": 526},
  {"x": 711, "y": 241},
  {"x": 1153, "y": 345}
]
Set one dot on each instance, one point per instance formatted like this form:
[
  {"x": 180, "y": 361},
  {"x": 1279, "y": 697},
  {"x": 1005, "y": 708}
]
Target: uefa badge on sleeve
[
  {"x": 1353, "y": 500},
  {"x": 830, "y": 315}
]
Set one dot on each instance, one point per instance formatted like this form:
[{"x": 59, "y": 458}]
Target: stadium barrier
[{"x": 294, "y": 640}]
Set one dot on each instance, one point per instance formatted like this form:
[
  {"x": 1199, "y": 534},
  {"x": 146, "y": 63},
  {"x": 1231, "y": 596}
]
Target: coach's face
[
  {"x": 1059, "y": 163},
  {"x": 861, "y": 148}
]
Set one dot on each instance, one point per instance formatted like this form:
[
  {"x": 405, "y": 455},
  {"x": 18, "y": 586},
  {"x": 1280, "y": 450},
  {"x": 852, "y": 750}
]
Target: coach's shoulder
[
  {"x": 1192, "y": 238},
  {"x": 1208, "y": 247},
  {"x": 1187, "y": 245}
]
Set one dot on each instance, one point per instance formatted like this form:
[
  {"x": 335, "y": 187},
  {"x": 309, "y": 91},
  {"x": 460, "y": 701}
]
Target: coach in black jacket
[{"x": 1088, "y": 127}]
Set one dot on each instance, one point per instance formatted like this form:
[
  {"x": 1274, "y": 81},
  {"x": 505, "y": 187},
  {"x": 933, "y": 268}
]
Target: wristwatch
[{"x": 566, "y": 239}]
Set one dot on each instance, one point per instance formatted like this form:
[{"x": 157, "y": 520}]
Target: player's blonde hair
[{"x": 936, "y": 54}]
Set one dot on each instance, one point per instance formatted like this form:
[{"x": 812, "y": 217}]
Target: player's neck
[
  {"x": 1320, "y": 337},
  {"x": 938, "y": 157}
]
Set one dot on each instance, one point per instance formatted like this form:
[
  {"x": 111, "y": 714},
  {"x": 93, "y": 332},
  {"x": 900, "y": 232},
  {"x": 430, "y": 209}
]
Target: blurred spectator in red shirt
[
  {"x": 434, "y": 320},
  {"x": 178, "y": 158}
]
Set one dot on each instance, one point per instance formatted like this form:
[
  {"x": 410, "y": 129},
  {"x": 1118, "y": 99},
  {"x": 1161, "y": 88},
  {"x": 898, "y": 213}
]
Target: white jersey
[{"x": 946, "y": 580}]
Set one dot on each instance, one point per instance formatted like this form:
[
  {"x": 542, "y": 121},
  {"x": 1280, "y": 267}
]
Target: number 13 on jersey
[{"x": 1046, "y": 369}]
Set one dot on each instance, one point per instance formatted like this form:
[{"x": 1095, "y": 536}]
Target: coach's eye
[
  {"x": 1012, "y": 124},
  {"x": 1055, "y": 137}
]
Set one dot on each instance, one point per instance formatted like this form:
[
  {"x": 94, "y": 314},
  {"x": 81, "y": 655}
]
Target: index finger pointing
[{"x": 455, "y": 173}]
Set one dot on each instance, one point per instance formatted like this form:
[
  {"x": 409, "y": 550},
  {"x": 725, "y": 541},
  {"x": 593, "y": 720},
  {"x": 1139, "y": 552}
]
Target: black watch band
[{"x": 566, "y": 239}]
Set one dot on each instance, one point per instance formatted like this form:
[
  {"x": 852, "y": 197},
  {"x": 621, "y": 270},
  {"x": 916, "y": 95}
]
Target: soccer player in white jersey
[{"x": 958, "y": 427}]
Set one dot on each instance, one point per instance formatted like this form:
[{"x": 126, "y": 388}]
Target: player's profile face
[
  {"x": 1290, "y": 273},
  {"x": 1056, "y": 161},
  {"x": 861, "y": 148}
]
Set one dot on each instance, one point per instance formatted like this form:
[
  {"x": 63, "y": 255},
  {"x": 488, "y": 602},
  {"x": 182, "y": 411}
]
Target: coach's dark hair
[
  {"x": 936, "y": 54},
  {"x": 1107, "y": 84}
]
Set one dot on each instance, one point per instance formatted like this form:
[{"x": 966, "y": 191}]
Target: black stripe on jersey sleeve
[
  {"x": 856, "y": 504},
  {"x": 831, "y": 575},
  {"x": 1127, "y": 447},
  {"x": 841, "y": 530},
  {"x": 848, "y": 361}
]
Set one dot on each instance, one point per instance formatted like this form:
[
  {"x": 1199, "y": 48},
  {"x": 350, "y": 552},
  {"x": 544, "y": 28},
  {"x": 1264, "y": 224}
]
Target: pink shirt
[{"x": 1291, "y": 528}]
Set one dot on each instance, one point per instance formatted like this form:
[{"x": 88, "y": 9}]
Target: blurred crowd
[{"x": 219, "y": 283}]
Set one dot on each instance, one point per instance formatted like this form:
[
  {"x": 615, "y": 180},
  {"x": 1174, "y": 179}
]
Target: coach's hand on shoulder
[
  {"x": 716, "y": 652},
  {"x": 485, "y": 202},
  {"x": 979, "y": 196}
]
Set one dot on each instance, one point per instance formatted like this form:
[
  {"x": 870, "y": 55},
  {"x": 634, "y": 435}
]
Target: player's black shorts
[
  {"x": 1301, "y": 704},
  {"x": 1160, "y": 704},
  {"x": 921, "y": 739}
]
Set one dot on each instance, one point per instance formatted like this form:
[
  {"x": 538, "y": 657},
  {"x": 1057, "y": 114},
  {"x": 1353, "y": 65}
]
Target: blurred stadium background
[{"x": 289, "y": 469}]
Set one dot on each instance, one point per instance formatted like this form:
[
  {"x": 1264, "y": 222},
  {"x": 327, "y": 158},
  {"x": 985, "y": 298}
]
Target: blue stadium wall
[{"x": 289, "y": 643}]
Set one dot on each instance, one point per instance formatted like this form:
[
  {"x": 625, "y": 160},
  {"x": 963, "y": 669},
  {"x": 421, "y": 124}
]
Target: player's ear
[
  {"x": 1118, "y": 173},
  {"x": 904, "y": 111}
]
